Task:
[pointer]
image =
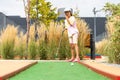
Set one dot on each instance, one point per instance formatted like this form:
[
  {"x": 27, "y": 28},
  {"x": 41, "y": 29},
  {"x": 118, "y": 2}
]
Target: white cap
[{"x": 67, "y": 9}]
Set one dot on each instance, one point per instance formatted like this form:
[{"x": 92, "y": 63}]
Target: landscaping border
[
  {"x": 109, "y": 75},
  {"x": 6, "y": 76}
]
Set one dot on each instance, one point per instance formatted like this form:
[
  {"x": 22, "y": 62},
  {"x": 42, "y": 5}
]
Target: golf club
[{"x": 56, "y": 55}]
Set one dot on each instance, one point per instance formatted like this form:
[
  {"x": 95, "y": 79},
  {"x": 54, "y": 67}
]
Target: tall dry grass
[
  {"x": 20, "y": 45},
  {"x": 7, "y": 42},
  {"x": 110, "y": 27},
  {"x": 103, "y": 44},
  {"x": 113, "y": 50},
  {"x": 51, "y": 40},
  {"x": 46, "y": 45},
  {"x": 84, "y": 31},
  {"x": 110, "y": 46},
  {"x": 101, "y": 47}
]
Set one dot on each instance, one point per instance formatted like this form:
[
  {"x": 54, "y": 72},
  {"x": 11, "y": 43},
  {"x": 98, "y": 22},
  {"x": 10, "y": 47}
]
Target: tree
[
  {"x": 114, "y": 14},
  {"x": 42, "y": 11},
  {"x": 113, "y": 9},
  {"x": 113, "y": 19}
]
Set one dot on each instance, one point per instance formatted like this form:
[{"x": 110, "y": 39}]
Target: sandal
[
  {"x": 76, "y": 60},
  {"x": 70, "y": 60}
]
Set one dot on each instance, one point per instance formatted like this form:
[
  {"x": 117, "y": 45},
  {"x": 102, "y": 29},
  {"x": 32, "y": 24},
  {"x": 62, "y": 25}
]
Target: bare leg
[
  {"x": 72, "y": 51},
  {"x": 77, "y": 59},
  {"x": 77, "y": 51}
]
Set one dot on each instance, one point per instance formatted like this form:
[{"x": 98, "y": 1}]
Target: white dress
[{"x": 72, "y": 30}]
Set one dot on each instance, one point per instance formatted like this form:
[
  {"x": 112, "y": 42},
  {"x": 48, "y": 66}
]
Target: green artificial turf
[{"x": 58, "y": 71}]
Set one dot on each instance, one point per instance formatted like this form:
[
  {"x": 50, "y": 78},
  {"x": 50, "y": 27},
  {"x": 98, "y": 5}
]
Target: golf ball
[{"x": 72, "y": 64}]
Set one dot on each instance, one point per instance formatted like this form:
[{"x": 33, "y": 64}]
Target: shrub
[
  {"x": 42, "y": 51},
  {"x": 13, "y": 44},
  {"x": 32, "y": 49},
  {"x": 7, "y": 42},
  {"x": 54, "y": 34},
  {"x": 113, "y": 50},
  {"x": 32, "y": 44},
  {"x": 20, "y": 45},
  {"x": 101, "y": 46}
]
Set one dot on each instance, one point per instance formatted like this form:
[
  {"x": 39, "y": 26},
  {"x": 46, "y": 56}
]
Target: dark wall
[
  {"x": 21, "y": 22},
  {"x": 2, "y": 20},
  {"x": 100, "y": 23},
  {"x": 13, "y": 20},
  {"x": 10, "y": 22}
]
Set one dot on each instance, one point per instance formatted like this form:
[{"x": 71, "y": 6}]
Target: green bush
[
  {"x": 7, "y": 41},
  {"x": 113, "y": 27},
  {"x": 113, "y": 49},
  {"x": 32, "y": 49},
  {"x": 14, "y": 44},
  {"x": 7, "y": 50},
  {"x": 52, "y": 49},
  {"x": 42, "y": 50},
  {"x": 64, "y": 51},
  {"x": 20, "y": 50}
]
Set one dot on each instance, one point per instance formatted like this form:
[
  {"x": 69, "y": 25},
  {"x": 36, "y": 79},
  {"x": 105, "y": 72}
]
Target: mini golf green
[{"x": 58, "y": 71}]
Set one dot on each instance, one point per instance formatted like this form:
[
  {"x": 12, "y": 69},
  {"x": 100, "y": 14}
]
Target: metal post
[
  {"x": 95, "y": 25},
  {"x": 94, "y": 11},
  {"x": 93, "y": 37},
  {"x": 92, "y": 46}
]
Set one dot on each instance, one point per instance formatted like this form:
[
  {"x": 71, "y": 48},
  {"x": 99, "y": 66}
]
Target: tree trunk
[{"x": 28, "y": 21}]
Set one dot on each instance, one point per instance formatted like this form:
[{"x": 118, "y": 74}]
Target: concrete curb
[
  {"x": 109, "y": 75},
  {"x": 6, "y": 76}
]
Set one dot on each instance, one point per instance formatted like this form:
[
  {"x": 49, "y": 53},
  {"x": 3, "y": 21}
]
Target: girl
[{"x": 70, "y": 24}]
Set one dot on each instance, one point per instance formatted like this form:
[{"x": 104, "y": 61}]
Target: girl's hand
[
  {"x": 72, "y": 36},
  {"x": 66, "y": 17},
  {"x": 65, "y": 29},
  {"x": 68, "y": 20}
]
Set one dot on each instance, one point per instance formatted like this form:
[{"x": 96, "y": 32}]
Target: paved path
[
  {"x": 9, "y": 68},
  {"x": 109, "y": 71}
]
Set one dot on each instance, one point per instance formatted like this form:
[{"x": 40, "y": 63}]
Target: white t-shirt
[{"x": 71, "y": 29}]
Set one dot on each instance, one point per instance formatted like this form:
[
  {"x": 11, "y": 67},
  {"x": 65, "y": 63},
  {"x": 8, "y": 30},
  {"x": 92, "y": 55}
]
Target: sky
[{"x": 16, "y": 7}]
